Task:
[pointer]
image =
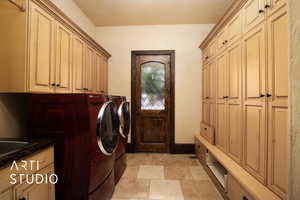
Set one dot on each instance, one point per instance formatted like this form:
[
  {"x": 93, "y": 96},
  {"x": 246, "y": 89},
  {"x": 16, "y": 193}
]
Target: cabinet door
[
  {"x": 98, "y": 63},
  {"x": 221, "y": 64},
  {"x": 274, "y": 5},
  {"x": 63, "y": 59},
  {"x": 205, "y": 80},
  {"x": 41, "y": 63},
  {"x": 221, "y": 135},
  {"x": 78, "y": 65},
  {"x": 254, "y": 119},
  {"x": 234, "y": 102},
  {"x": 278, "y": 102},
  {"x": 101, "y": 73},
  {"x": 44, "y": 191},
  {"x": 104, "y": 75},
  {"x": 8, "y": 195},
  {"x": 89, "y": 69},
  {"x": 222, "y": 40},
  {"x": 234, "y": 28},
  {"x": 212, "y": 81},
  {"x": 205, "y": 112},
  {"x": 253, "y": 14}
]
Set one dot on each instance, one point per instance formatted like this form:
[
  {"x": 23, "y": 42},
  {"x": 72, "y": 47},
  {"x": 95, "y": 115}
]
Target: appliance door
[
  {"x": 124, "y": 118},
  {"x": 107, "y": 128}
]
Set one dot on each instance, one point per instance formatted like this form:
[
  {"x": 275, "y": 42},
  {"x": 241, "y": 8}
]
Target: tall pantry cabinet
[
  {"x": 43, "y": 51},
  {"x": 251, "y": 86}
]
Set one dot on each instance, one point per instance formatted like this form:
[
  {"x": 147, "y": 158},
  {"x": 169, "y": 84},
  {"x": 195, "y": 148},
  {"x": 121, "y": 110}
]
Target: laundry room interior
[{"x": 149, "y": 100}]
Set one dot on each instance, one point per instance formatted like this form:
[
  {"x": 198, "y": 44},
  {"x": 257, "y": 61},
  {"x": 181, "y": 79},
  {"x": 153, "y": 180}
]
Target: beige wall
[
  {"x": 12, "y": 115},
  {"x": 294, "y": 79},
  {"x": 184, "y": 39},
  {"x": 70, "y": 8}
]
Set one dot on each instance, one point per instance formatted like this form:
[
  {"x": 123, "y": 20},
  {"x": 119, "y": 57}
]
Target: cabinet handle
[
  {"x": 23, "y": 198},
  {"x": 245, "y": 198},
  {"x": 206, "y": 57},
  {"x": 85, "y": 89},
  {"x": 269, "y": 95},
  {"x": 57, "y": 85},
  {"x": 53, "y": 84},
  {"x": 262, "y": 95},
  {"x": 261, "y": 11},
  {"x": 205, "y": 129},
  {"x": 226, "y": 41},
  {"x": 267, "y": 6}
]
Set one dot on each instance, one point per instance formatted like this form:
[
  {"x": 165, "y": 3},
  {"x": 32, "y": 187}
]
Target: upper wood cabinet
[
  {"x": 53, "y": 54},
  {"x": 101, "y": 73},
  {"x": 278, "y": 102},
  {"x": 78, "y": 65},
  {"x": 222, "y": 40},
  {"x": 253, "y": 14},
  {"x": 42, "y": 49},
  {"x": 89, "y": 74},
  {"x": 63, "y": 67},
  {"x": 234, "y": 28}
]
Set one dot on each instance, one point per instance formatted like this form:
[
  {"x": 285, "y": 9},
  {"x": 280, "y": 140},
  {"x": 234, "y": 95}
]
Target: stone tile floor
[{"x": 164, "y": 177}]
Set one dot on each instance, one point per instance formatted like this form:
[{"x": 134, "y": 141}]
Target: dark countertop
[{"x": 33, "y": 146}]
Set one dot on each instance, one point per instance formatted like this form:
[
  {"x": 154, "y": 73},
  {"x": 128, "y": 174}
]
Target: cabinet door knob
[
  {"x": 53, "y": 84},
  {"x": 23, "y": 198},
  {"x": 269, "y": 95},
  {"x": 261, "y": 11},
  {"x": 262, "y": 95},
  {"x": 245, "y": 198},
  {"x": 267, "y": 6},
  {"x": 57, "y": 85}
]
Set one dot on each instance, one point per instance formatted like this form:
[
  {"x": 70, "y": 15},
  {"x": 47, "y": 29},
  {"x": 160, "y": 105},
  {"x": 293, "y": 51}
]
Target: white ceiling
[{"x": 153, "y": 12}]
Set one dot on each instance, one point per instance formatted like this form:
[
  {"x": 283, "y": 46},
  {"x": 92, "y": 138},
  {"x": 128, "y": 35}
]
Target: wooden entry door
[{"x": 152, "y": 102}]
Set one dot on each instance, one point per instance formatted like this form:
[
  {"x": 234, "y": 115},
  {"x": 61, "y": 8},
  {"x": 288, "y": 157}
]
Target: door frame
[{"x": 134, "y": 54}]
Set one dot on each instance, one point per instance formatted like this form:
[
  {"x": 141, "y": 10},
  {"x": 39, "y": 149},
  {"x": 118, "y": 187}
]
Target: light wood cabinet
[
  {"x": 28, "y": 188},
  {"x": 63, "y": 69},
  {"x": 42, "y": 49},
  {"x": 54, "y": 55},
  {"x": 43, "y": 191},
  {"x": 7, "y": 195},
  {"x": 253, "y": 14},
  {"x": 278, "y": 102},
  {"x": 248, "y": 92}
]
